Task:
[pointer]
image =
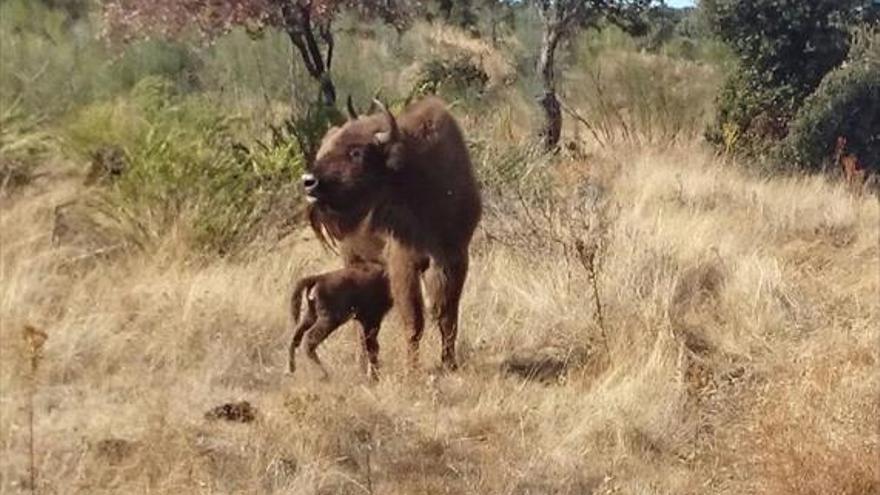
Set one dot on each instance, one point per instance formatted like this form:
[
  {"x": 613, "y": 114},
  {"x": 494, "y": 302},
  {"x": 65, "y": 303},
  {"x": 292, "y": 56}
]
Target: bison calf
[{"x": 359, "y": 291}]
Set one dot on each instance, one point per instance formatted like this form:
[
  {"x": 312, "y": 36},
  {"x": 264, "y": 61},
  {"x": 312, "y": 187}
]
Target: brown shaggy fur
[
  {"x": 402, "y": 192},
  {"x": 360, "y": 291}
]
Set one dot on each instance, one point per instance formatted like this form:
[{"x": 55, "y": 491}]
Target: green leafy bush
[
  {"x": 456, "y": 76},
  {"x": 784, "y": 49},
  {"x": 185, "y": 170},
  {"x": 846, "y": 104}
]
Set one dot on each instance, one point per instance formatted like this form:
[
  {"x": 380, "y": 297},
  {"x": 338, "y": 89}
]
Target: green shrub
[
  {"x": 186, "y": 170},
  {"x": 456, "y": 76},
  {"x": 846, "y": 104},
  {"x": 309, "y": 128},
  {"x": 784, "y": 49},
  {"x": 23, "y": 144}
]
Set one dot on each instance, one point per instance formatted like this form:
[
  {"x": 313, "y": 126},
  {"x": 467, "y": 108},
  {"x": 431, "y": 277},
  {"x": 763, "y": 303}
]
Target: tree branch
[
  {"x": 311, "y": 42},
  {"x": 327, "y": 36}
]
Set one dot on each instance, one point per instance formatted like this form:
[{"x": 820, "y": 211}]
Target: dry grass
[{"x": 742, "y": 357}]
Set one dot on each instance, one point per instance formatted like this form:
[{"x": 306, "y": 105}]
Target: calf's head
[{"x": 354, "y": 162}]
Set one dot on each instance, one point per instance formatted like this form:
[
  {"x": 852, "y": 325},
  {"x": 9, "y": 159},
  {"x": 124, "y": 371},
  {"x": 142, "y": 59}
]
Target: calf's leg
[
  {"x": 319, "y": 331},
  {"x": 304, "y": 324}
]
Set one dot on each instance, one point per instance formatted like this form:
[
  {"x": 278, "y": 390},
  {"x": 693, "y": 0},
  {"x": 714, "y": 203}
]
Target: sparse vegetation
[
  {"x": 23, "y": 144},
  {"x": 642, "y": 314}
]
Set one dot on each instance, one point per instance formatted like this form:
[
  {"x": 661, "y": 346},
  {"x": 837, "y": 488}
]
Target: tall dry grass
[
  {"x": 736, "y": 351},
  {"x": 741, "y": 355}
]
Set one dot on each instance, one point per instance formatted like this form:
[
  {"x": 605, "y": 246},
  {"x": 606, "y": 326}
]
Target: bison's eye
[{"x": 356, "y": 154}]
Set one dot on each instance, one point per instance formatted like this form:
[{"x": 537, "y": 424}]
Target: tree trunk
[
  {"x": 551, "y": 131},
  {"x": 328, "y": 90},
  {"x": 301, "y": 31}
]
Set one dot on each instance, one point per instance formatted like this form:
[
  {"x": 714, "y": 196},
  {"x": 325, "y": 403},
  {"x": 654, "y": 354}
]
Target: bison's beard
[{"x": 332, "y": 225}]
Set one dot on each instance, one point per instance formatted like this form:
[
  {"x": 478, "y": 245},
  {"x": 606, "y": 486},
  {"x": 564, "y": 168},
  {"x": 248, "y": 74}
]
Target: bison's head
[{"x": 352, "y": 166}]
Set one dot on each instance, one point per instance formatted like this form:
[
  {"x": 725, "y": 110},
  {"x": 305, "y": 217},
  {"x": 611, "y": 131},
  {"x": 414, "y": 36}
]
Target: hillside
[
  {"x": 644, "y": 313},
  {"x": 741, "y": 356}
]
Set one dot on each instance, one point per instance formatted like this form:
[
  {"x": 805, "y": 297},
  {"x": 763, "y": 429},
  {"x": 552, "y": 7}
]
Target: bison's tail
[{"x": 304, "y": 285}]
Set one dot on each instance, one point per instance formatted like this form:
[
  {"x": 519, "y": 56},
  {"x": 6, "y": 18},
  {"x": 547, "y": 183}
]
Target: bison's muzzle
[{"x": 310, "y": 184}]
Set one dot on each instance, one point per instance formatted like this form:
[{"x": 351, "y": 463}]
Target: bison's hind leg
[{"x": 444, "y": 282}]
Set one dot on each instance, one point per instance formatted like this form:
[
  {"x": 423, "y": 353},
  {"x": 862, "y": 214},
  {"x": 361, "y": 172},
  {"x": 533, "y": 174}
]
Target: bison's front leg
[{"x": 404, "y": 275}]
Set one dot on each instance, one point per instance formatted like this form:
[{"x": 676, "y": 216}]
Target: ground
[{"x": 737, "y": 353}]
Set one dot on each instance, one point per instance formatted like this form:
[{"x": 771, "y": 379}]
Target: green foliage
[
  {"x": 52, "y": 62},
  {"x": 784, "y": 49},
  {"x": 23, "y": 144},
  {"x": 310, "y": 127},
  {"x": 846, "y": 104},
  {"x": 185, "y": 170},
  {"x": 661, "y": 22},
  {"x": 183, "y": 131},
  {"x": 693, "y": 24},
  {"x": 456, "y": 76}
]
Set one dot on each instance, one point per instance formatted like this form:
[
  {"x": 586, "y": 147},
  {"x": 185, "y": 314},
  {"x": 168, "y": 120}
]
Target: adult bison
[{"x": 401, "y": 191}]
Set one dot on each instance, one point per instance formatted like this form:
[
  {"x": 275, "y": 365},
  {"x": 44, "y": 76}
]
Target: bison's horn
[
  {"x": 373, "y": 101},
  {"x": 392, "y": 133},
  {"x": 352, "y": 113}
]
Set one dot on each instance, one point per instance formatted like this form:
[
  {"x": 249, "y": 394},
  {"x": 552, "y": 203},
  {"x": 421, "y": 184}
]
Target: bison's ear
[
  {"x": 392, "y": 151},
  {"x": 394, "y": 159}
]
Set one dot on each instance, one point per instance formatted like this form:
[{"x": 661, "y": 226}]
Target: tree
[
  {"x": 306, "y": 22},
  {"x": 662, "y": 25},
  {"x": 562, "y": 20},
  {"x": 785, "y": 48},
  {"x": 846, "y": 105}
]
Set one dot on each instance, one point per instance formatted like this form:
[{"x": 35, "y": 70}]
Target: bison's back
[{"x": 438, "y": 179}]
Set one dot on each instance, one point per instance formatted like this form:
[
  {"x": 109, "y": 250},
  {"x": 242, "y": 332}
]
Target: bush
[
  {"x": 185, "y": 169},
  {"x": 784, "y": 48},
  {"x": 457, "y": 76},
  {"x": 22, "y": 145},
  {"x": 846, "y": 104}
]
